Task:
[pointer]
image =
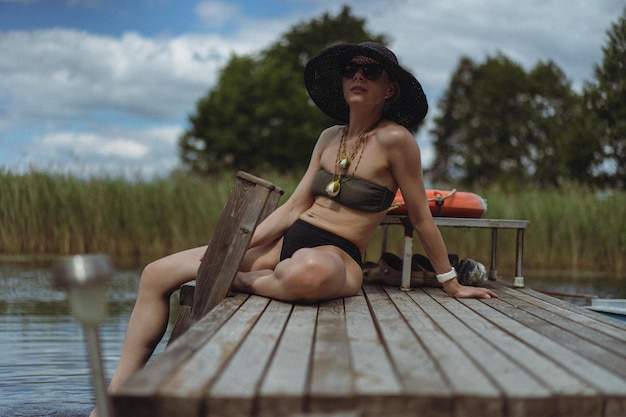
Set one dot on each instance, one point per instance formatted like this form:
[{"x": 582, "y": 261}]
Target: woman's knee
[
  {"x": 166, "y": 275},
  {"x": 314, "y": 275},
  {"x": 151, "y": 278}
]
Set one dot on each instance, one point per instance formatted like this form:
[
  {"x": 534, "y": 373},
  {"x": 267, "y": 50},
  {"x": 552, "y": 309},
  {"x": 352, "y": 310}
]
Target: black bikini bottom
[{"x": 304, "y": 235}]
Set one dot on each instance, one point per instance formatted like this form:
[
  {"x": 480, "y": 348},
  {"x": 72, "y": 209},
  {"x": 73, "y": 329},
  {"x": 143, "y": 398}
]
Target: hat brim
[{"x": 323, "y": 81}]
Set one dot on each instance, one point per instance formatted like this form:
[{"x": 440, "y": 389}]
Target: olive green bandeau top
[{"x": 355, "y": 192}]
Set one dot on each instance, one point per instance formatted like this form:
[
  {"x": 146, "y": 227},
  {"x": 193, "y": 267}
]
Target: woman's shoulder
[
  {"x": 391, "y": 133},
  {"x": 329, "y": 134},
  {"x": 332, "y": 130}
]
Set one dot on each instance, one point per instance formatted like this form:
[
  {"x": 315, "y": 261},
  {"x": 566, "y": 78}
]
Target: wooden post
[{"x": 250, "y": 201}]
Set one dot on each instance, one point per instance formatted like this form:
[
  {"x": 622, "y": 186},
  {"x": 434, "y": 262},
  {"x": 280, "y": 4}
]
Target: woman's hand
[{"x": 456, "y": 290}]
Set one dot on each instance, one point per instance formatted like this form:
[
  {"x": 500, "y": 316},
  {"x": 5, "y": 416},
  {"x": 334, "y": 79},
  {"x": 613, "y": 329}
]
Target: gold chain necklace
[{"x": 344, "y": 161}]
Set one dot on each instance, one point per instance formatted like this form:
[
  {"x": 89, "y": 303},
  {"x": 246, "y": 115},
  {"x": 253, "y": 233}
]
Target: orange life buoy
[{"x": 447, "y": 204}]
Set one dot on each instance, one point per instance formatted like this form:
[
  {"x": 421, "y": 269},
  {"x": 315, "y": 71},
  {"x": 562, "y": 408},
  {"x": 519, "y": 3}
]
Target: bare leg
[
  {"x": 148, "y": 321},
  {"x": 310, "y": 275}
]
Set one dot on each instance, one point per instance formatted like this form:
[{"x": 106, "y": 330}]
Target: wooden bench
[
  {"x": 250, "y": 201},
  {"x": 493, "y": 224},
  {"x": 387, "y": 353}
]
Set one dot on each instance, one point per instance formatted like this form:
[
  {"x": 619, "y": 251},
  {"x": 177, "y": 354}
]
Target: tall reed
[
  {"x": 43, "y": 213},
  {"x": 571, "y": 228}
]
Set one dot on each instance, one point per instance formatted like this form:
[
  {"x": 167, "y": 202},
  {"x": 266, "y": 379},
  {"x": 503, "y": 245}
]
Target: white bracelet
[{"x": 447, "y": 276}]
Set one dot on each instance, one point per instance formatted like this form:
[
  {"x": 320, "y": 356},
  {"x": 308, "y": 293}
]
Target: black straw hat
[{"x": 323, "y": 82}]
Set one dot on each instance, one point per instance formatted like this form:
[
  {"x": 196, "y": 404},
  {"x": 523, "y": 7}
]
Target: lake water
[{"x": 44, "y": 369}]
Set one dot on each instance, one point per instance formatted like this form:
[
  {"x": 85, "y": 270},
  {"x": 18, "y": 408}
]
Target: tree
[
  {"x": 605, "y": 101},
  {"x": 500, "y": 124},
  {"x": 557, "y": 152},
  {"x": 258, "y": 116},
  {"x": 229, "y": 128},
  {"x": 580, "y": 146}
]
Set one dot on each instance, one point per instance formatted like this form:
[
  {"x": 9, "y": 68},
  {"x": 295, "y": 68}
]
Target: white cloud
[
  {"x": 217, "y": 14},
  {"x": 73, "y": 87},
  {"x": 89, "y": 144},
  {"x": 120, "y": 152},
  {"x": 88, "y": 98},
  {"x": 65, "y": 71},
  {"x": 430, "y": 37}
]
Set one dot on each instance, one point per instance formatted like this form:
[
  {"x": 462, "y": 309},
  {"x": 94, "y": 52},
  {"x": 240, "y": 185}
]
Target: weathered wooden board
[{"x": 389, "y": 352}]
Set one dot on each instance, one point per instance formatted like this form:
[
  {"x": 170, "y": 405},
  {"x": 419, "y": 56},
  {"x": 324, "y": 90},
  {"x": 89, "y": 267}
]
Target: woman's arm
[{"x": 406, "y": 167}]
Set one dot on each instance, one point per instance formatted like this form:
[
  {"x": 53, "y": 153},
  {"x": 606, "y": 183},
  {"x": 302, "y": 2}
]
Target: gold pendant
[
  {"x": 343, "y": 163},
  {"x": 333, "y": 187}
]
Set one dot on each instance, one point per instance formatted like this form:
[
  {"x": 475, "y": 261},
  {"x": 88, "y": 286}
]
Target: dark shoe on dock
[
  {"x": 420, "y": 261},
  {"x": 388, "y": 271}
]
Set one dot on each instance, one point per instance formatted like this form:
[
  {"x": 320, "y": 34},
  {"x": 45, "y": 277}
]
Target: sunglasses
[{"x": 370, "y": 71}]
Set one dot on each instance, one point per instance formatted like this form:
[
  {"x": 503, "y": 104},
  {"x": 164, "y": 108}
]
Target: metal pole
[
  {"x": 85, "y": 279},
  {"x": 493, "y": 271},
  {"x": 407, "y": 255},
  {"x": 519, "y": 256},
  {"x": 95, "y": 358}
]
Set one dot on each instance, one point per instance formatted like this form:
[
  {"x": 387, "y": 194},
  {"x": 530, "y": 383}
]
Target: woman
[{"x": 310, "y": 248}]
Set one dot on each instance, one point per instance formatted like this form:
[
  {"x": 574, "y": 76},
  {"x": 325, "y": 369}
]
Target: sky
[{"x": 104, "y": 87}]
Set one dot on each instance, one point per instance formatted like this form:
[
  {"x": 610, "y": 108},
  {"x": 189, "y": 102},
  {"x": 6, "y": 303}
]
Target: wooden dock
[{"x": 388, "y": 352}]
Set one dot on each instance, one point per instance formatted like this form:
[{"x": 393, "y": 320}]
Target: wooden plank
[
  {"x": 272, "y": 202},
  {"x": 186, "y": 293},
  {"x": 250, "y": 200},
  {"x": 185, "y": 389},
  {"x": 386, "y": 352},
  {"x": 481, "y": 396},
  {"x": 603, "y": 334},
  {"x": 597, "y": 321},
  {"x": 331, "y": 384},
  {"x": 482, "y": 223},
  {"x": 221, "y": 260},
  {"x": 524, "y": 394},
  {"x": 423, "y": 387},
  {"x": 614, "y": 406},
  {"x": 328, "y": 414},
  {"x": 182, "y": 323},
  {"x": 511, "y": 338},
  {"x": 139, "y": 396},
  {"x": 527, "y": 398},
  {"x": 184, "y": 318},
  {"x": 537, "y": 332},
  {"x": 464, "y": 222},
  {"x": 285, "y": 385},
  {"x": 376, "y": 385},
  {"x": 613, "y": 386},
  {"x": 234, "y": 391},
  {"x": 607, "y": 351}
]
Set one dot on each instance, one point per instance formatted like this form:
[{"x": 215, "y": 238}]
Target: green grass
[
  {"x": 573, "y": 228},
  {"x": 41, "y": 213}
]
